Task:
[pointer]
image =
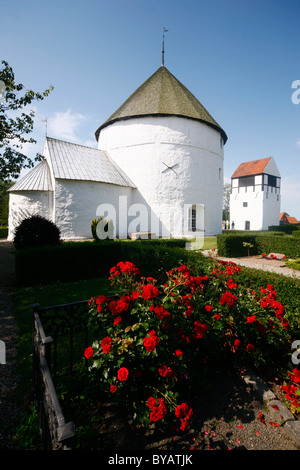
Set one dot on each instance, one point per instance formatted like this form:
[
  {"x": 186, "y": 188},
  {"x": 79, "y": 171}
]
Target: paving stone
[
  {"x": 280, "y": 414},
  {"x": 292, "y": 428},
  {"x": 259, "y": 387}
]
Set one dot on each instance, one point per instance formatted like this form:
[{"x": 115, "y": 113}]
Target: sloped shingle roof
[
  {"x": 163, "y": 95},
  {"x": 255, "y": 167},
  {"x": 38, "y": 179},
  {"x": 78, "y": 162}
]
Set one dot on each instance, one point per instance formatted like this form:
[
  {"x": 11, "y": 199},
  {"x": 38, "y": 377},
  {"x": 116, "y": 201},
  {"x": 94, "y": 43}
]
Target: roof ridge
[{"x": 72, "y": 143}]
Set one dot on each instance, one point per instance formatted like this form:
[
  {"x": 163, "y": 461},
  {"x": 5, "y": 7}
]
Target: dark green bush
[
  {"x": 285, "y": 228},
  {"x": 231, "y": 245},
  {"x": 36, "y": 231},
  {"x": 3, "y": 232},
  {"x": 85, "y": 260}
]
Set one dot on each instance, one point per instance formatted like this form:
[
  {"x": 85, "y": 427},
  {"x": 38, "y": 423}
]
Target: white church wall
[
  {"x": 145, "y": 147},
  {"x": 77, "y": 203},
  {"x": 24, "y": 204}
]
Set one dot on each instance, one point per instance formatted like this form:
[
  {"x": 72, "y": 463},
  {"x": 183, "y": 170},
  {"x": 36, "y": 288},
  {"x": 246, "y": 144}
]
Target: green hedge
[
  {"x": 3, "y": 232},
  {"x": 285, "y": 228},
  {"x": 287, "y": 288},
  {"x": 231, "y": 245},
  {"x": 85, "y": 260}
]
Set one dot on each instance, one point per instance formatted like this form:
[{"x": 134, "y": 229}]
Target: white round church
[{"x": 158, "y": 170}]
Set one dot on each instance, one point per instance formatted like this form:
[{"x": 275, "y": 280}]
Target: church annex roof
[
  {"x": 162, "y": 95},
  {"x": 37, "y": 179},
  {"x": 78, "y": 162},
  {"x": 73, "y": 162},
  {"x": 255, "y": 167}
]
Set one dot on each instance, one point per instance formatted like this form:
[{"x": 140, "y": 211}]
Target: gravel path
[{"x": 225, "y": 417}]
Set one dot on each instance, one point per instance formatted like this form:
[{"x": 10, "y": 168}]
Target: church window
[{"x": 192, "y": 219}]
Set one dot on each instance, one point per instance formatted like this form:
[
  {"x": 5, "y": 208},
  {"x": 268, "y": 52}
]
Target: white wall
[
  {"x": 77, "y": 203},
  {"x": 23, "y": 204},
  {"x": 143, "y": 147},
  {"x": 263, "y": 208},
  {"x": 252, "y": 213}
]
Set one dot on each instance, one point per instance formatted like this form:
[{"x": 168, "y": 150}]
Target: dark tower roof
[{"x": 162, "y": 95}]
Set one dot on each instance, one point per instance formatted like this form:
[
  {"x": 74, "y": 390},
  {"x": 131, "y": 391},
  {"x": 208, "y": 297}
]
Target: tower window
[
  {"x": 246, "y": 181},
  {"x": 272, "y": 181},
  {"x": 245, "y": 204}
]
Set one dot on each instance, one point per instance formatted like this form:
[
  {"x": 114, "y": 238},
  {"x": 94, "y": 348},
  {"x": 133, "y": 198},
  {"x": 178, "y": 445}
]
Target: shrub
[
  {"x": 154, "y": 338},
  {"x": 103, "y": 227},
  {"x": 231, "y": 245},
  {"x": 72, "y": 261},
  {"x": 3, "y": 232},
  {"x": 285, "y": 228},
  {"x": 36, "y": 231}
]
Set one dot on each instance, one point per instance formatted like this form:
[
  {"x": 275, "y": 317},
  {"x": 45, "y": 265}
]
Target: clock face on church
[{"x": 170, "y": 168}]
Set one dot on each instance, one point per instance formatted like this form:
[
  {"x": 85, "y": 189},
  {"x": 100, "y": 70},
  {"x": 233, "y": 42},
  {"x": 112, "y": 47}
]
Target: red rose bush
[{"x": 153, "y": 341}]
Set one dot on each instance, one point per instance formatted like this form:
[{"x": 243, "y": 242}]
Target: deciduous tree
[{"x": 15, "y": 123}]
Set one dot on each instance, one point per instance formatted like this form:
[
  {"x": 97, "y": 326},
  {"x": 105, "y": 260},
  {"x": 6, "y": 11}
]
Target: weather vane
[{"x": 163, "y": 46}]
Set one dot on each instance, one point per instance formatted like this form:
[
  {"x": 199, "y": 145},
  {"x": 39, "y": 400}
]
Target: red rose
[
  {"x": 264, "y": 303},
  {"x": 157, "y": 412},
  {"x": 150, "y": 342},
  {"x": 88, "y": 353},
  {"x": 106, "y": 344},
  {"x": 113, "y": 388},
  {"x": 165, "y": 371},
  {"x": 251, "y": 319},
  {"x": 117, "y": 320},
  {"x": 228, "y": 298},
  {"x": 123, "y": 374},
  {"x": 150, "y": 292},
  {"x": 250, "y": 347},
  {"x": 151, "y": 402},
  {"x": 199, "y": 329},
  {"x": 184, "y": 412},
  {"x": 135, "y": 295},
  {"x": 178, "y": 353}
]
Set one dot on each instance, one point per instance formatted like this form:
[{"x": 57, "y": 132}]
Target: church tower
[
  {"x": 172, "y": 150},
  {"x": 255, "y": 195}
]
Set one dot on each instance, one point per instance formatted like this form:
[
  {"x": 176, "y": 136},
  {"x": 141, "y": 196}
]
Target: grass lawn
[
  {"x": 46, "y": 296},
  {"x": 210, "y": 243}
]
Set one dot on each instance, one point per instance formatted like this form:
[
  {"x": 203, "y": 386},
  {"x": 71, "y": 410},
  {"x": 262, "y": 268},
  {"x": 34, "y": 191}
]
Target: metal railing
[{"x": 62, "y": 321}]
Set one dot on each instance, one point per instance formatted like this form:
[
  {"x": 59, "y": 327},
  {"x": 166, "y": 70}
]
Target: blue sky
[{"x": 239, "y": 58}]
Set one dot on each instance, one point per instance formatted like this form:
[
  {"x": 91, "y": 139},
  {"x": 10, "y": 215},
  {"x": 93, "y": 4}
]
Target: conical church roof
[{"x": 162, "y": 95}]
